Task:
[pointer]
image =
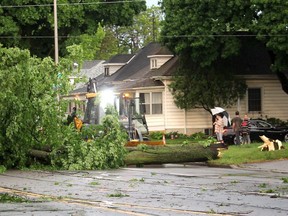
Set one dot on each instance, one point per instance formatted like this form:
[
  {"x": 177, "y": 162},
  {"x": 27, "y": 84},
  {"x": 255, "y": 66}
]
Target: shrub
[{"x": 156, "y": 135}]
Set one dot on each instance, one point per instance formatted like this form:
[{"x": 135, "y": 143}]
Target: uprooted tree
[{"x": 32, "y": 117}]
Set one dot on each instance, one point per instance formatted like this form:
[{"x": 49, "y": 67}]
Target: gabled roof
[
  {"x": 120, "y": 58},
  {"x": 90, "y": 69},
  {"x": 168, "y": 69},
  {"x": 134, "y": 73}
]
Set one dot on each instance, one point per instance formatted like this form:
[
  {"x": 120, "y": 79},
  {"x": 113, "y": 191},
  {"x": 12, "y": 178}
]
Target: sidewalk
[{"x": 280, "y": 166}]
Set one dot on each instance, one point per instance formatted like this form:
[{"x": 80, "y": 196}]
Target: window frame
[
  {"x": 153, "y": 63},
  {"x": 150, "y": 103},
  {"x": 254, "y": 104},
  {"x": 106, "y": 71}
]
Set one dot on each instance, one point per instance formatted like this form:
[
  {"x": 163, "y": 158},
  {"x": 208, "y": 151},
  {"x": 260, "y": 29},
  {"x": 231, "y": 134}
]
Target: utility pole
[
  {"x": 153, "y": 27},
  {"x": 56, "y": 33}
]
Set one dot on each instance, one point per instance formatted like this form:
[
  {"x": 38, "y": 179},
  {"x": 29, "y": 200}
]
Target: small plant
[
  {"x": 136, "y": 180},
  {"x": 185, "y": 142},
  {"x": 207, "y": 142},
  {"x": 94, "y": 183},
  {"x": 156, "y": 135},
  {"x": 2, "y": 169},
  {"x": 7, "y": 198},
  {"x": 270, "y": 191},
  {"x": 198, "y": 136},
  {"x": 263, "y": 185},
  {"x": 118, "y": 194},
  {"x": 285, "y": 179},
  {"x": 142, "y": 147}
]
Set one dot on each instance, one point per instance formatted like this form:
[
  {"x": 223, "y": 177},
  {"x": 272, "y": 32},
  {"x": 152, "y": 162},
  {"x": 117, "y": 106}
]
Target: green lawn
[{"x": 236, "y": 155}]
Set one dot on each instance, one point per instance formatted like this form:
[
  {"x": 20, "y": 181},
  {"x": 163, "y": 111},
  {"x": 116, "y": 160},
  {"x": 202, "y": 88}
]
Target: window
[
  {"x": 106, "y": 71},
  {"x": 150, "y": 103},
  {"x": 154, "y": 63},
  {"x": 254, "y": 99}
]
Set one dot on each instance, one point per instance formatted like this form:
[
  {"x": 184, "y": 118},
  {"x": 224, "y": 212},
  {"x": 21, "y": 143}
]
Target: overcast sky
[{"x": 149, "y": 3}]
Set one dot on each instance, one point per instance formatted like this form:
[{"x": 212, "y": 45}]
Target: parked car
[{"x": 258, "y": 128}]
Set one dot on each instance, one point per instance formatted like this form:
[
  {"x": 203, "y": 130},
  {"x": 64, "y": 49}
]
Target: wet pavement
[{"x": 171, "y": 189}]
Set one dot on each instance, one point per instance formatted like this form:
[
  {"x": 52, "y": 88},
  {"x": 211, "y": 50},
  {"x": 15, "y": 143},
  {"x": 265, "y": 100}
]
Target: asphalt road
[{"x": 171, "y": 189}]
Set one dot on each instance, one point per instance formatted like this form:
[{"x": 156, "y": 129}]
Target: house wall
[
  {"x": 274, "y": 100},
  {"x": 274, "y": 105},
  {"x": 114, "y": 68}
]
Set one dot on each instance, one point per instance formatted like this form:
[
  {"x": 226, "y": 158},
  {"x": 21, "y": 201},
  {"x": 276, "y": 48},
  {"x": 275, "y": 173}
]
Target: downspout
[
  {"x": 185, "y": 121},
  {"x": 239, "y": 105},
  {"x": 164, "y": 107}
]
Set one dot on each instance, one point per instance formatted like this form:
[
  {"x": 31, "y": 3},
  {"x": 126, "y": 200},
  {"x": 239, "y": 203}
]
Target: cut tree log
[{"x": 169, "y": 154}]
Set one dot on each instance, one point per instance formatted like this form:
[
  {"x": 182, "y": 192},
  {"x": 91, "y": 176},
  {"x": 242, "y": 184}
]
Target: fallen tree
[
  {"x": 155, "y": 154},
  {"x": 170, "y": 154}
]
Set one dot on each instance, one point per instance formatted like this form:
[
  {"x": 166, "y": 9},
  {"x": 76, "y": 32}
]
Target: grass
[{"x": 236, "y": 155}]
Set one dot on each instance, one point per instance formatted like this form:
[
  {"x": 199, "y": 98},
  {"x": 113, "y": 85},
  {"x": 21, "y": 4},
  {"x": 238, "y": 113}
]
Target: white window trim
[{"x": 150, "y": 102}]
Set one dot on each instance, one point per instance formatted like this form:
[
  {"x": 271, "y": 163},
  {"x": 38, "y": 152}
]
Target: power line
[
  {"x": 167, "y": 36},
  {"x": 68, "y": 4},
  {"x": 224, "y": 35}
]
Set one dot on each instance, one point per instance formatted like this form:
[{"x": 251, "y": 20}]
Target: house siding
[
  {"x": 274, "y": 100},
  {"x": 274, "y": 105}
]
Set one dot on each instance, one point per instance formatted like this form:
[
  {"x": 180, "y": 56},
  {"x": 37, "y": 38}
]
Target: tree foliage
[
  {"x": 105, "y": 150},
  {"x": 30, "y": 24},
  {"x": 205, "y": 89},
  {"x": 30, "y": 115},
  {"x": 202, "y": 33},
  {"x": 33, "y": 117},
  {"x": 144, "y": 29}
]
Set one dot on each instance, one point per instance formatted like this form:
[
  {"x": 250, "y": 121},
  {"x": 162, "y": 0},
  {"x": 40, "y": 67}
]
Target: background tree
[
  {"x": 203, "y": 33},
  {"x": 30, "y": 24},
  {"x": 145, "y": 28},
  {"x": 205, "y": 88}
]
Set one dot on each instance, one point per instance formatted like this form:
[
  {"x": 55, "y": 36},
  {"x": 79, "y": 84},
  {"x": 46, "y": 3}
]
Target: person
[
  {"x": 219, "y": 127},
  {"x": 236, "y": 125},
  {"x": 245, "y": 130}
]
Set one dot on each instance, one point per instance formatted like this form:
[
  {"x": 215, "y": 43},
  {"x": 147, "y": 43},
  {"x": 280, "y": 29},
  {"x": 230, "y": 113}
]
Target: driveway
[{"x": 170, "y": 189}]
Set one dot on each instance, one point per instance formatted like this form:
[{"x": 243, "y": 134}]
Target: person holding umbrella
[{"x": 219, "y": 127}]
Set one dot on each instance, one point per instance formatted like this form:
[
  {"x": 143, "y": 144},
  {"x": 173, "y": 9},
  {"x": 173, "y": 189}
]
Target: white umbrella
[
  {"x": 217, "y": 110},
  {"x": 226, "y": 117}
]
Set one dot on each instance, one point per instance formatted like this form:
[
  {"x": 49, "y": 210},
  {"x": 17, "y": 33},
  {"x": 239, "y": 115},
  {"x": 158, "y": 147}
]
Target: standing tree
[
  {"x": 144, "y": 29},
  {"x": 30, "y": 24},
  {"x": 204, "y": 33}
]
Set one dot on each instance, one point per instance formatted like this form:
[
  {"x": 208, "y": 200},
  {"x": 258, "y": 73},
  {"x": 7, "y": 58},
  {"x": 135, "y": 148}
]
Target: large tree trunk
[
  {"x": 155, "y": 154},
  {"x": 169, "y": 154}
]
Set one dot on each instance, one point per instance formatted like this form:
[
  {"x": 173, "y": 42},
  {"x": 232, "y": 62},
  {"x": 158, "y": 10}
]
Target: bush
[
  {"x": 156, "y": 135},
  {"x": 277, "y": 122}
]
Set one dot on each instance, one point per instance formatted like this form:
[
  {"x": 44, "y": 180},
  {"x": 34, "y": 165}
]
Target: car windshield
[{"x": 261, "y": 124}]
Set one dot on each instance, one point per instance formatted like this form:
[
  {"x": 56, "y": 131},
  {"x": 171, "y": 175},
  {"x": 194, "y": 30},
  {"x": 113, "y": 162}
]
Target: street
[{"x": 171, "y": 189}]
